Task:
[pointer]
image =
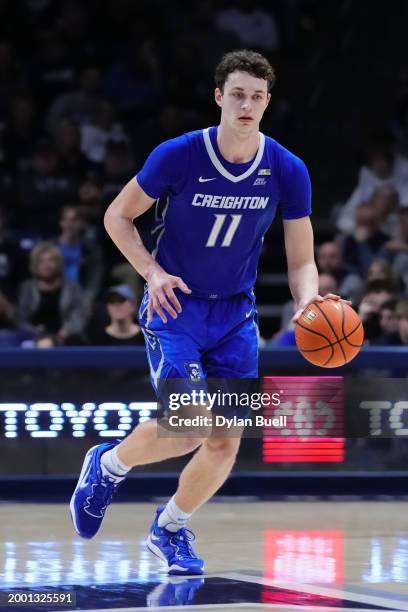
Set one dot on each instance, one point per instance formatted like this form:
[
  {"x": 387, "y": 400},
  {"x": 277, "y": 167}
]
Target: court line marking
[
  {"x": 365, "y": 590},
  {"x": 324, "y": 591}
]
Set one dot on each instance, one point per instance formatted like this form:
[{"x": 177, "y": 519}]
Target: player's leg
[
  {"x": 234, "y": 356},
  {"x": 106, "y": 465},
  {"x": 206, "y": 472},
  {"x": 169, "y": 539},
  {"x": 104, "y": 469}
]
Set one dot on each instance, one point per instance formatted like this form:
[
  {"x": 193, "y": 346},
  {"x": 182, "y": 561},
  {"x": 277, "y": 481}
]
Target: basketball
[{"x": 329, "y": 334}]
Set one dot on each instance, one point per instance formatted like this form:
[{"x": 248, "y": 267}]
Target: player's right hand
[{"x": 161, "y": 295}]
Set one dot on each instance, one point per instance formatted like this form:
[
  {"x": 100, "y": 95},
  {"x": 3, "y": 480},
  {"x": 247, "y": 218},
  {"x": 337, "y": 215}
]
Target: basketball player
[{"x": 216, "y": 193}]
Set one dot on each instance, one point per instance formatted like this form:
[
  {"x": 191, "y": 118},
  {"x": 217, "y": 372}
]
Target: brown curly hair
[{"x": 245, "y": 61}]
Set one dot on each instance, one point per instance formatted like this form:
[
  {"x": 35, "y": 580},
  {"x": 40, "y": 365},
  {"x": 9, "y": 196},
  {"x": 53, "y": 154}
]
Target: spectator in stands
[
  {"x": 388, "y": 321},
  {"x": 67, "y": 140},
  {"x": 79, "y": 105},
  {"x": 52, "y": 306},
  {"x": 90, "y": 199},
  {"x": 120, "y": 328},
  {"x": 402, "y": 315},
  {"x": 43, "y": 190},
  {"x": 118, "y": 169},
  {"x": 364, "y": 244},
  {"x": 382, "y": 168},
  {"x": 103, "y": 128},
  {"x": 132, "y": 80},
  {"x": 374, "y": 299},
  {"x": 82, "y": 256},
  {"x": 380, "y": 270},
  {"x": 385, "y": 202},
  {"x": 395, "y": 250},
  {"x": 251, "y": 23},
  {"x": 13, "y": 261},
  {"x": 330, "y": 261},
  {"x": 12, "y": 334}
]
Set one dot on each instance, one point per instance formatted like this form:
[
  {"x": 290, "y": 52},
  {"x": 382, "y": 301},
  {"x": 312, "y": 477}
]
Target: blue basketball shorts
[{"x": 208, "y": 340}]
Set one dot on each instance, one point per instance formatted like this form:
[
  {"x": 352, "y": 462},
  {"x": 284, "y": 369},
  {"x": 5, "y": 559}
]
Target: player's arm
[
  {"x": 132, "y": 202},
  {"x": 302, "y": 271}
]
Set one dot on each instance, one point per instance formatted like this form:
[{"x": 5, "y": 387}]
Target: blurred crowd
[
  {"x": 87, "y": 89},
  {"x": 367, "y": 259}
]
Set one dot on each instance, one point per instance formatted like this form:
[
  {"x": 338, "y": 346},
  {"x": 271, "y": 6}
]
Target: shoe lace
[
  {"x": 103, "y": 493},
  {"x": 182, "y": 539}
]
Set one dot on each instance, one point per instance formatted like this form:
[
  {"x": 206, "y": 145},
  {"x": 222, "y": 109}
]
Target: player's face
[{"x": 243, "y": 101}]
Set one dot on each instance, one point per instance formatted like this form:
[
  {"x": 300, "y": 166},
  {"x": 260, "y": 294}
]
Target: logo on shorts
[{"x": 193, "y": 371}]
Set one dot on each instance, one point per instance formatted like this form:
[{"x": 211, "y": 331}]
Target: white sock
[
  {"x": 172, "y": 517},
  {"x": 112, "y": 465}
]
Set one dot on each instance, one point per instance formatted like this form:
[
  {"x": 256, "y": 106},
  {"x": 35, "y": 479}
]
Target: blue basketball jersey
[{"x": 211, "y": 215}]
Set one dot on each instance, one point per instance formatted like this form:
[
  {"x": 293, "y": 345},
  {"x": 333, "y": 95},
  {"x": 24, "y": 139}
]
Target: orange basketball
[{"x": 329, "y": 333}]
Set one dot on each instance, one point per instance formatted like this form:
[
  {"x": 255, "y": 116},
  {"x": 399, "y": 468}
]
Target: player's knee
[
  {"x": 222, "y": 449},
  {"x": 183, "y": 446}
]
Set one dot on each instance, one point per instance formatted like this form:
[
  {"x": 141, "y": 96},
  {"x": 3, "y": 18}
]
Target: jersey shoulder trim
[{"x": 218, "y": 165}]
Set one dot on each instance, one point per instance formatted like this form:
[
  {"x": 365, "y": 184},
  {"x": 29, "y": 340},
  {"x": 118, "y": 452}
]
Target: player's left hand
[{"x": 318, "y": 298}]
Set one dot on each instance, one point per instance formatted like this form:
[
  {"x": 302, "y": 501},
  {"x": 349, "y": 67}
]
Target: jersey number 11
[{"x": 216, "y": 229}]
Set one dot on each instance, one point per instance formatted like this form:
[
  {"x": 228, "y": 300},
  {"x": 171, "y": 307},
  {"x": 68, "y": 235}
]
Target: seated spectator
[
  {"x": 67, "y": 140},
  {"x": 385, "y": 202},
  {"x": 395, "y": 251},
  {"x": 380, "y": 270},
  {"x": 364, "y": 244},
  {"x": 52, "y": 306},
  {"x": 103, "y": 128},
  {"x": 13, "y": 260},
  {"x": 402, "y": 315},
  {"x": 90, "y": 200},
  {"x": 132, "y": 79},
  {"x": 78, "y": 105},
  {"x": 382, "y": 168},
  {"x": 118, "y": 169},
  {"x": 251, "y": 23},
  {"x": 378, "y": 293},
  {"x": 12, "y": 334},
  {"x": 388, "y": 321},
  {"x": 43, "y": 190},
  {"x": 120, "y": 328},
  {"x": 82, "y": 256},
  {"x": 330, "y": 261}
]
